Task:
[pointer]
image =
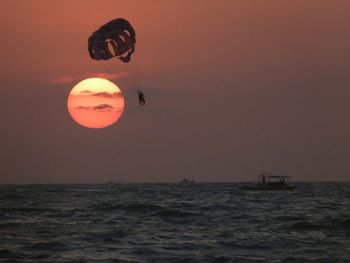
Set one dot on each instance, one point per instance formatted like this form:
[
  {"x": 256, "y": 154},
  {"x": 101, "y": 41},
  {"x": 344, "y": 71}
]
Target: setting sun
[{"x": 95, "y": 103}]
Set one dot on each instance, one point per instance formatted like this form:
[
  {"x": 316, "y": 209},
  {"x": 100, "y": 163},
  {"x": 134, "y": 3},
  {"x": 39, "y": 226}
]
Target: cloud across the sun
[
  {"x": 99, "y": 94},
  {"x": 99, "y": 107}
]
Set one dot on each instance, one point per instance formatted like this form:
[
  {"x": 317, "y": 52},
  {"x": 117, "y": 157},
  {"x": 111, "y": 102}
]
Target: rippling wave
[{"x": 199, "y": 222}]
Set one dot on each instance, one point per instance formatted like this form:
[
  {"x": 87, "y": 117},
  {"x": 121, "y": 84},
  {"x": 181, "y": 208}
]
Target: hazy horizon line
[{"x": 177, "y": 182}]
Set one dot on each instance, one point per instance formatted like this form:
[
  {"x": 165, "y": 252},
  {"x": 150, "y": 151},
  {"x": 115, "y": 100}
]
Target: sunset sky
[{"x": 234, "y": 88}]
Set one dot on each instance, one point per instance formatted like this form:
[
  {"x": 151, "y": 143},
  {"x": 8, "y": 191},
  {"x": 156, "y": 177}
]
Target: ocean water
[{"x": 200, "y": 222}]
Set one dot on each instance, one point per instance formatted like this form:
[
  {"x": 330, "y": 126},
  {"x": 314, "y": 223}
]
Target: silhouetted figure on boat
[{"x": 142, "y": 97}]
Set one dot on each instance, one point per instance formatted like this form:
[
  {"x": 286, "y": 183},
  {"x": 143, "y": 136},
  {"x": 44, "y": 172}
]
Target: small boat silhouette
[
  {"x": 270, "y": 182},
  {"x": 186, "y": 181}
]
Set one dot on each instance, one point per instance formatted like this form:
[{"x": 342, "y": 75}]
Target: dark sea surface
[{"x": 202, "y": 222}]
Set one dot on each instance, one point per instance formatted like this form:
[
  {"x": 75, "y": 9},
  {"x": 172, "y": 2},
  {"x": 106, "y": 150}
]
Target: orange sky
[{"x": 266, "y": 83}]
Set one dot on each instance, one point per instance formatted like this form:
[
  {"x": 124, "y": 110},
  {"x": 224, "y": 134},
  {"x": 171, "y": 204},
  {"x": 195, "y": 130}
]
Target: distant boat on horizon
[
  {"x": 112, "y": 183},
  {"x": 270, "y": 182},
  {"x": 187, "y": 181}
]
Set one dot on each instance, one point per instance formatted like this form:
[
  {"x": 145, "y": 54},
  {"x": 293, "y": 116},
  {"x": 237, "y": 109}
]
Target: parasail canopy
[{"x": 117, "y": 38}]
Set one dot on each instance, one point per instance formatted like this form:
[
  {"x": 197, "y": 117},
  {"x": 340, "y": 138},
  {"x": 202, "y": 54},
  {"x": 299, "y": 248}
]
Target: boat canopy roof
[
  {"x": 268, "y": 175},
  {"x": 277, "y": 176}
]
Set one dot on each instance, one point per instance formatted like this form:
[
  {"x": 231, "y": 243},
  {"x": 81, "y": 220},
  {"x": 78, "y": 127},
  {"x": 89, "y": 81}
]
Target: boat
[
  {"x": 187, "y": 181},
  {"x": 112, "y": 183},
  {"x": 270, "y": 182}
]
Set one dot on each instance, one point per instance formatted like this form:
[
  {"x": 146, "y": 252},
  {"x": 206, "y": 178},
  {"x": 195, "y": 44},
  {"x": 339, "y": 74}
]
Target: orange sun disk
[{"x": 95, "y": 103}]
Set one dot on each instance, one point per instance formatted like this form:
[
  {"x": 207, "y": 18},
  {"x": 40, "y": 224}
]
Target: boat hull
[{"x": 267, "y": 188}]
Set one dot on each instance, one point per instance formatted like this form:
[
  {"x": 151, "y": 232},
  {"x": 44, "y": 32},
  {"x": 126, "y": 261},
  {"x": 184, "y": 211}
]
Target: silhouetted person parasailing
[{"x": 142, "y": 97}]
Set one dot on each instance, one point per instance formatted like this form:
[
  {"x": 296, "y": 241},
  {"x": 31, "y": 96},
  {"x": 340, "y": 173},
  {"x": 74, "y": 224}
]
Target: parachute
[{"x": 117, "y": 38}]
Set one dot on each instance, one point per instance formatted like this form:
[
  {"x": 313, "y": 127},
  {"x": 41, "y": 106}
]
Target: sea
[{"x": 199, "y": 222}]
